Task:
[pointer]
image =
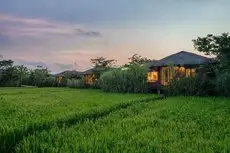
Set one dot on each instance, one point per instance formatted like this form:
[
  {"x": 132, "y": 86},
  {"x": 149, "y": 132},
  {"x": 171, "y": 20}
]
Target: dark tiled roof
[
  {"x": 92, "y": 70},
  {"x": 183, "y": 58},
  {"x": 69, "y": 73}
]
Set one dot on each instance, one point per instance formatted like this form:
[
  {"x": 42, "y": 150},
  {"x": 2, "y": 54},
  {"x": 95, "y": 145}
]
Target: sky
[{"x": 65, "y": 35}]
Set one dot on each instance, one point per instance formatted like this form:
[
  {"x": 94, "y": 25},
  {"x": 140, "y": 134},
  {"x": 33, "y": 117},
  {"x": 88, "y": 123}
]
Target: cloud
[
  {"x": 35, "y": 27},
  {"x": 21, "y": 36},
  {"x": 92, "y": 33},
  {"x": 25, "y": 21},
  {"x": 54, "y": 67}
]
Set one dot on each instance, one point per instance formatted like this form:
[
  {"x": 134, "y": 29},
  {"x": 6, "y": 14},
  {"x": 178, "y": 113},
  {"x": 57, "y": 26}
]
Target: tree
[
  {"x": 40, "y": 75},
  {"x": 103, "y": 62},
  {"x": 4, "y": 64},
  {"x": 15, "y": 75},
  {"x": 215, "y": 45},
  {"x": 138, "y": 59},
  {"x": 220, "y": 47},
  {"x": 22, "y": 73},
  {"x": 8, "y": 73}
]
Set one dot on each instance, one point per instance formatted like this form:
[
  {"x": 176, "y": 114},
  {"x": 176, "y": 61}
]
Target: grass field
[
  {"x": 92, "y": 121},
  {"x": 28, "y": 110}
]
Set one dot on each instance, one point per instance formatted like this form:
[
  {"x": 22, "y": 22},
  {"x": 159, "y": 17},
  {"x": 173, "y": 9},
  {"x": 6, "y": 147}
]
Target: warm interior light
[{"x": 152, "y": 76}]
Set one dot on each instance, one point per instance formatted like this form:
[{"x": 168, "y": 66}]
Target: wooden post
[{"x": 158, "y": 87}]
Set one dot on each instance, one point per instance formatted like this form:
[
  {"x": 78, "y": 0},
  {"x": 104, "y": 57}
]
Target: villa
[{"x": 181, "y": 64}]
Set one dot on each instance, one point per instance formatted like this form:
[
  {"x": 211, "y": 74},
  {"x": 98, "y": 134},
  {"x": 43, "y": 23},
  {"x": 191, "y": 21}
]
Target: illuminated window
[
  {"x": 59, "y": 79},
  {"x": 181, "y": 71},
  {"x": 175, "y": 71},
  {"x": 188, "y": 72},
  {"x": 88, "y": 79},
  {"x": 168, "y": 73},
  {"x": 165, "y": 75},
  {"x": 193, "y": 72},
  {"x": 152, "y": 76}
]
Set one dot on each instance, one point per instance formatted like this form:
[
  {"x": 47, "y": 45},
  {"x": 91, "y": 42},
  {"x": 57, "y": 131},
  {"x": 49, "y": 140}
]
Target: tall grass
[
  {"x": 76, "y": 83},
  {"x": 131, "y": 80},
  {"x": 223, "y": 84},
  {"x": 25, "y": 111},
  {"x": 176, "y": 124}
]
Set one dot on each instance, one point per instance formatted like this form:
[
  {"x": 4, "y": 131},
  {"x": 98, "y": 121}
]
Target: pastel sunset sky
[{"x": 59, "y": 33}]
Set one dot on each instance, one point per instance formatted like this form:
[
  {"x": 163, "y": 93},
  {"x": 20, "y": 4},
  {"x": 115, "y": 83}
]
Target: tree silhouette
[
  {"x": 103, "y": 62},
  {"x": 138, "y": 59},
  {"x": 215, "y": 45}
]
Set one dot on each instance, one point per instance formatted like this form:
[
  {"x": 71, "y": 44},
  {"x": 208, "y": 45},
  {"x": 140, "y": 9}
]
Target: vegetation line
[{"x": 9, "y": 140}]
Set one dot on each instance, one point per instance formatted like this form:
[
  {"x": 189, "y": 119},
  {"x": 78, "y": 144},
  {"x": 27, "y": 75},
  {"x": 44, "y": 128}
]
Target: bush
[
  {"x": 223, "y": 84},
  {"x": 95, "y": 85},
  {"x": 209, "y": 81},
  {"x": 75, "y": 83},
  {"x": 203, "y": 84},
  {"x": 131, "y": 80},
  {"x": 49, "y": 82},
  {"x": 200, "y": 85},
  {"x": 63, "y": 83}
]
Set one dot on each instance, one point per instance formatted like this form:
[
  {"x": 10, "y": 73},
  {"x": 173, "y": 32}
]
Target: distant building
[
  {"x": 91, "y": 75},
  {"x": 61, "y": 77}
]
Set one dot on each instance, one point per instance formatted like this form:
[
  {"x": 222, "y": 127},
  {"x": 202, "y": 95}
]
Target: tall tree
[
  {"x": 103, "y": 62},
  {"x": 40, "y": 74},
  {"x": 138, "y": 59},
  {"x": 8, "y": 73},
  {"x": 4, "y": 64},
  {"x": 23, "y": 73},
  {"x": 215, "y": 45}
]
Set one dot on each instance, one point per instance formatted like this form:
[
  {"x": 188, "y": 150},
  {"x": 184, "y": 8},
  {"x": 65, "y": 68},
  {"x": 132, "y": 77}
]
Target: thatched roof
[{"x": 182, "y": 58}]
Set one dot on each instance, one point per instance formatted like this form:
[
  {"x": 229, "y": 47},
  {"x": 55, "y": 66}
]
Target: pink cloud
[
  {"x": 79, "y": 59},
  {"x": 27, "y": 21},
  {"x": 21, "y": 26}
]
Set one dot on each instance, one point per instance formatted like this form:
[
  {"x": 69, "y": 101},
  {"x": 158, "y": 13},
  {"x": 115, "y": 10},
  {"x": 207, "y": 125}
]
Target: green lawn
[{"x": 92, "y": 121}]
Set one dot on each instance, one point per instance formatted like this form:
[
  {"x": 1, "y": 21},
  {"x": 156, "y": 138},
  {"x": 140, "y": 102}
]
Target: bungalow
[
  {"x": 92, "y": 74},
  {"x": 61, "y": 77},
  {"x": 183, "y": 63}
]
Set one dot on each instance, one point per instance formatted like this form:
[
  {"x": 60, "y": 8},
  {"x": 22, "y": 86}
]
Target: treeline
[{"x": 18, "y": 75}]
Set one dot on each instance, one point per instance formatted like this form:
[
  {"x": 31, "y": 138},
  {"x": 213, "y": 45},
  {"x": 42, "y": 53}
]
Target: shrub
[
  {"x": 203, "y": 84},
  {"x": 75, "y": 83},
  {"x": 133, "y": 79},
  {"x": 95, "y": 85},
  {"x": 223, "y": 84},
  {"x": 49, "y": 82}
]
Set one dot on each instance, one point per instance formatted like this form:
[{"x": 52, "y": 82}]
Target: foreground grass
[
  {"x": 24, "y": 111},
  {"x": 171, "y": 125}
]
